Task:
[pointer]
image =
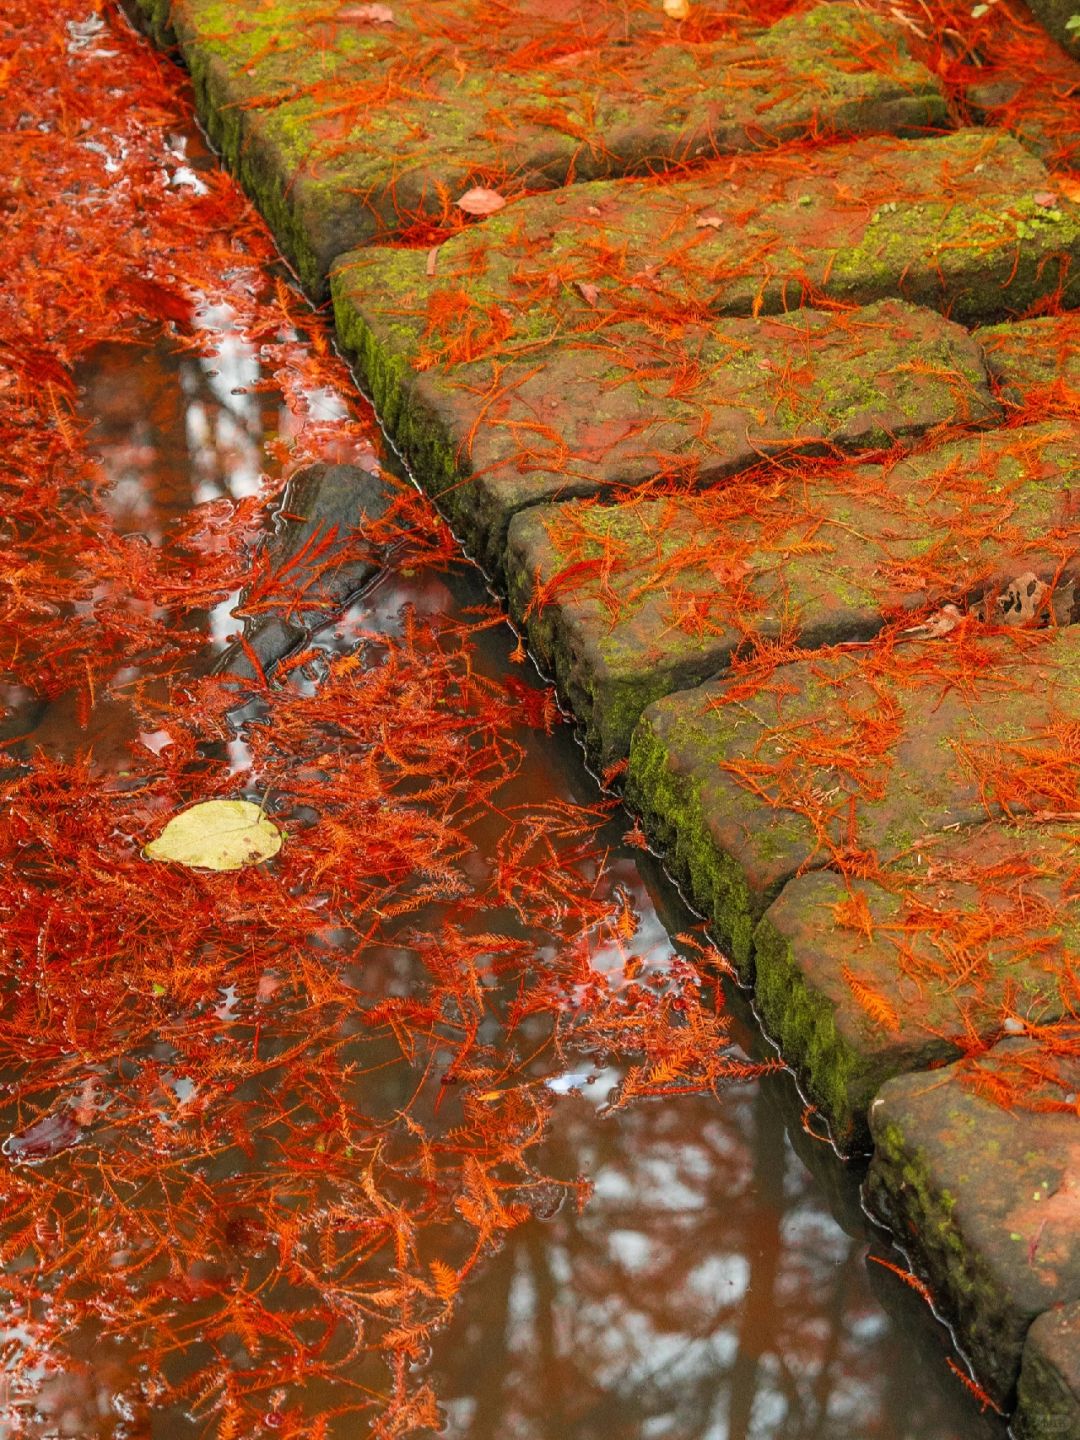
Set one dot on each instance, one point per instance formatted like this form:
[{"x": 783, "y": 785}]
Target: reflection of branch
[
  {"x": 756, "y": 1329},
  {"x": 822, "y": 1382},
  {"x": 493, "y": 1316}
]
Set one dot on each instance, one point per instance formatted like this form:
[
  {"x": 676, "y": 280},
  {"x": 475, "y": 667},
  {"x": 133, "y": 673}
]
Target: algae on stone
[
  {"x": 951, "y": 222},
  {"x": 1048, "y": 1395},
  {"x": 606, "y": 413},
  {"x": 342, "y": 133}
]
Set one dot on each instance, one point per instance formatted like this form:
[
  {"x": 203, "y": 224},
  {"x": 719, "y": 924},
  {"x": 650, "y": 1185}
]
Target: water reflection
[
  {"x": 705, "y": 1293},
  {"x": 715, "y": 1287}
]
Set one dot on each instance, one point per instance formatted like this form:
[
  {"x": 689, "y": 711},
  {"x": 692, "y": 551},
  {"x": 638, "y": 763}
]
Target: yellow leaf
[{"x": 217, "y": 835}]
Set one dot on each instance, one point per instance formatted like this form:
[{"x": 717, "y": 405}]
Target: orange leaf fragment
[
  {"x": 480, "y": 201},
  {"x": 707, "y": 222}
]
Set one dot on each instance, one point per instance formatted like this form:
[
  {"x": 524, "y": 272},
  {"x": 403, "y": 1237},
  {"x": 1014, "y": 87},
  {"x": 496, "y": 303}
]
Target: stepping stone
[
  {"x": 623, "y": 604},
  {"x": 1036, "y": 360},
  {"x": 627, "y": 406},
  {"x": 853, "y": 758},
  {"x": 348, "y": 128},
  {"x": 952, "y": 222},
  {"x": 986, "y": 1194},
  {"x": 859, "y": 980},
  {"x": 1048, "y": 1397}
]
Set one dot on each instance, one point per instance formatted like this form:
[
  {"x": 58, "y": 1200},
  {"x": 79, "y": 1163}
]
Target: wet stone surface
[
  {"x": 859, "y": 980},
  {"x": 298, "y": 102},
  {"x": 985, "y": 1196},
  {"x": 625, "y": 407},
  {"x": 624, "y": 603},
  {"x": 1059, "y": 17}
]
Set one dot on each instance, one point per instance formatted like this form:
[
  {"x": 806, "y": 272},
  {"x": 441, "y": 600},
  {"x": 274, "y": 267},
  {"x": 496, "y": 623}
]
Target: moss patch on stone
[
  {"x": 344, "y": 131},
  {"x": 606, "y": 413},
  {"x": 1036, "y": 361},
  {"x": 827, "y": 756}
]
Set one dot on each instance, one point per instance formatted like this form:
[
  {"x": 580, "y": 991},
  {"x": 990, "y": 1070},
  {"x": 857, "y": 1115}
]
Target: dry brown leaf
[
  {"x": 370, "y": 14},
  {"x": 480, "y": 201}
]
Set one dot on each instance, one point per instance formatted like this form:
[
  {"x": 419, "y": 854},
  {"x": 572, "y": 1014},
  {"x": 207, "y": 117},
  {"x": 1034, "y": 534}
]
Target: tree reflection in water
[{"x": 706, "y": 1293}]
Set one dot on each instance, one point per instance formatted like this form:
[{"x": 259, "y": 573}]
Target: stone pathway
[{"x": 760, "y": 399}]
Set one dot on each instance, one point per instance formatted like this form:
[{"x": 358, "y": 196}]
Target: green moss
[
  {"x": 670, "y": 808},
  {"x": 839, "y": 1080}
]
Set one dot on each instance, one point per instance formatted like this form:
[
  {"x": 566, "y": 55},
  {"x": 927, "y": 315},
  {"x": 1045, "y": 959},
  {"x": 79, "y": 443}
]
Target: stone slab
[
  {"x": 861, "y": 979},
  {"x": 987, "y": 1198},
  {"x": 608, "y": 413},
  {"x": 853, "y": 758},
  {"x": 1036, "y": 362},
  {"x": 951, "y": 222},
  {"x": 346, "y": 129},
  {"x": 1048, "y": 1395},
  {"x": 625, "y": 603}
]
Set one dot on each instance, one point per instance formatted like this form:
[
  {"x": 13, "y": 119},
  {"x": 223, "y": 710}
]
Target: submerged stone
[
  {"x": 748, "y": 782},
  {"x": 859, "y": 980},
  {"x": 625, "y": 603},
  {"x": 320, "y": 554},
  {"x": 345, "y": 129},
  {"x": 985, "y": 1193},
  {"x": 610, "y": 412}
]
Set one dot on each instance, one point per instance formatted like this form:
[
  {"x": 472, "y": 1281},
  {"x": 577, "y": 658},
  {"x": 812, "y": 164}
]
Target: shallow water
[{"x": 717, "y": 1286}]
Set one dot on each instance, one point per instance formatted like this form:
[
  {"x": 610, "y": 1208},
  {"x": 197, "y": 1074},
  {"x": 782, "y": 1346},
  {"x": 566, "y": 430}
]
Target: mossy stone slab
[
  {"x": 609, "y": 413},
  {"x": 1036, "y": 360},
  {"x": 747, "y": 782},
  {"x": 344, "y": 129},
  {"x": 986, "y": 1197},
  {"x": 1048, "y": 1395},
  {"x": 859, "y": 980},
  {"x": 951, "y": 222},
  {"x": 625, "y": 603}
]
